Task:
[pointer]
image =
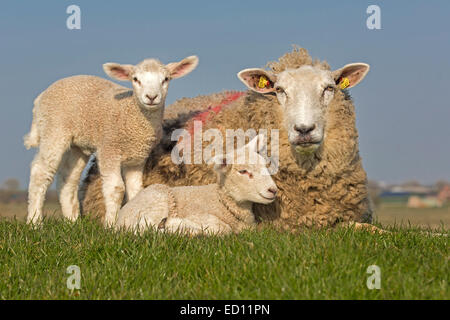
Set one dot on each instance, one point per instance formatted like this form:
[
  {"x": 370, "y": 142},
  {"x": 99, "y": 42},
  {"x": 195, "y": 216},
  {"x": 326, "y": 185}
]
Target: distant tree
[
  {"x": 11, "y": 184},
  {"x": 440, "y": 184},
  {"x": 412, "y": 183}
]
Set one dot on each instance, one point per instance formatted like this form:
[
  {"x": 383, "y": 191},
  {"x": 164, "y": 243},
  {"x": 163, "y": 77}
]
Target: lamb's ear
[
  {"x": 258, "y": 80},
  {"x": 117, "y": 71},
  {"x": 257, "y": 144},
  {"x": 220, "y": 163},
  {"x": 182, "y": 68},
  {"x": 351, "y": 74}
]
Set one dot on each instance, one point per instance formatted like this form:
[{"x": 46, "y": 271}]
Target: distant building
[
  {"x": 427, "y": 202},
  {"x": 444, "y": 194},
  {"x": 403, "y": 192}
]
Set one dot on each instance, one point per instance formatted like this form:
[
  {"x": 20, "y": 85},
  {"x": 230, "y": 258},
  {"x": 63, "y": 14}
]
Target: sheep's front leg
[
  {"x": 133, "y": 180},
  {"x": 113, "y": 190}
]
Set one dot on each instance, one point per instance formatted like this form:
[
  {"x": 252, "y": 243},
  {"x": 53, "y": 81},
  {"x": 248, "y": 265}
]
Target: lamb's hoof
[
  {"x": 109, "y": 223},
  {"x": 72, "y": 218},
  {"x": 35, "y": 222},
  {"x": 162, "y": 224}
]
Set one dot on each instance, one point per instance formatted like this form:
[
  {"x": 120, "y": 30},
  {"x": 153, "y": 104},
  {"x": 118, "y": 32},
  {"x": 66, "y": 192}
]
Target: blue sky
[{"x": 403, "y": 109}]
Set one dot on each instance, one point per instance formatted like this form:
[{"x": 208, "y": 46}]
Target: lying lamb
[
  {"x": 219, "y": 208},
  {"x": 80, "y": 115}
]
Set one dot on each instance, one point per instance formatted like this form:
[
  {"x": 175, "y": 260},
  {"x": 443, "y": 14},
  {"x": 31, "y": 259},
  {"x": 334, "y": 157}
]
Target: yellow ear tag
[
  {"x": 263, "y": 82},
  {"x": 344, "y": 83}
]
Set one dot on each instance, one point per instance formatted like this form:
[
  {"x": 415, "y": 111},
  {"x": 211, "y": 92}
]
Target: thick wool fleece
[{"x": 322, "y": 190}]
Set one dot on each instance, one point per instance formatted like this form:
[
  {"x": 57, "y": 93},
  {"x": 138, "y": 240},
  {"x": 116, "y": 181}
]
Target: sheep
[
  {"x": 321, "y": 179},
  {"x": 219, "y": 208},
  {"x": 80, "y": 115}
]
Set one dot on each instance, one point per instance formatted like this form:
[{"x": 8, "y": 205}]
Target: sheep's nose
[
  {"x": 273, "y": 190},
  {"x": 303, "y": 129},
  {"x": 151, "y": 98}
]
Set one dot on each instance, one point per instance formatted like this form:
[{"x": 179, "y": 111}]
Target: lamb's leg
[
  {"x": 175, "y": 224},
  {"x": 363, "y": 226},
  {"x": 43, "y": 169},
  {"x": 113, "y": 190},
  {"x": 67, "y": 182},
  {"x": 133, "y": 180}
]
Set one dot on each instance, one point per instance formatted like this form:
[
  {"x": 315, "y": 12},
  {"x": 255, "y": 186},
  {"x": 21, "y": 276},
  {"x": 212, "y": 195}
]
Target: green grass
[{"x": 316, "y": 264}]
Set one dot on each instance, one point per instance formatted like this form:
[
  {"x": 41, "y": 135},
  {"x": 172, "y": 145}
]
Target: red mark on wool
[{"x": 211, "y": 111}]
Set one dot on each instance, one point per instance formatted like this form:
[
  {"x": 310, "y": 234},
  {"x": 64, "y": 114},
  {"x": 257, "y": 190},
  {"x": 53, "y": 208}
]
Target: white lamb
[
  {"x": 80, "y": 115},
  {"x": 219, "y": 208}
]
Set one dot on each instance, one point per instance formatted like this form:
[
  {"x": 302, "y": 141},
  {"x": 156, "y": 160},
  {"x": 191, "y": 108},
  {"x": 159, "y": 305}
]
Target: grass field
[
  {"x": 315, "y": 264},
  {"x": 389, "y": 213}
]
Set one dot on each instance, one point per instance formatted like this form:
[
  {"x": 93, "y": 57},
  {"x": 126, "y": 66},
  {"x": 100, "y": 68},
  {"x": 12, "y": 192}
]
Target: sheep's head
[
  {"x": 150, "y": 78},
  {"x": 246, "y": 177},
  {"x": 304, "y": 94}
]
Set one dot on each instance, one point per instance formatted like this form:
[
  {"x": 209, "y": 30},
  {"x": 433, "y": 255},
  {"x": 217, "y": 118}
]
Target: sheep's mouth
[
  {"x": 306, "y": 148},
  {"x": 307, "y": 144}
]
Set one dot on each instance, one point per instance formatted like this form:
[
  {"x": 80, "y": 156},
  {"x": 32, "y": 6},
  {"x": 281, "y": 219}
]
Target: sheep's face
[
  {"x": 304, "y": 95},
  {"x": 246, "y": 178},
  {"x": 150, "y": 78}
]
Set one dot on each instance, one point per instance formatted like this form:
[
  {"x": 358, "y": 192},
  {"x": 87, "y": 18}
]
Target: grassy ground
[
  {"x": 267, "y": 264},
  {"x": 391, "y": 213}
]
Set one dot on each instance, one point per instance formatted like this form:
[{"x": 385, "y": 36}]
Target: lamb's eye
[
  {"x": 279, "y": 90},
  {"x": 247, "y": 173},
  {"x": 136, "y": 80},
  {"x": 166, "y": 79}
]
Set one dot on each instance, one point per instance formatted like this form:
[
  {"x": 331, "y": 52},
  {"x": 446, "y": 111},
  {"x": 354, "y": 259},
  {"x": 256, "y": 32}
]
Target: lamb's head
[
  {"x": 304, "y": 94},
  {"x": 150, "y": 78},
  {"x": 246, "y": 177}
]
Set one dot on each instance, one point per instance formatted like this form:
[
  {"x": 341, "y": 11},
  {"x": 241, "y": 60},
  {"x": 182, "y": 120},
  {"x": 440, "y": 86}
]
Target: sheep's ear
[
  {"x": 117, "y": 71},
  {"x": 258, "y": 80},
  {"x": 182, "y": 68},
  {"x": 257, "y": 144},
  {"x": 350, "y": 75}
]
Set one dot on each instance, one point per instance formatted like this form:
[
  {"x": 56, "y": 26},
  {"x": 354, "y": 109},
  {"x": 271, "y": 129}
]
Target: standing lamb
[
  {"x": 321, "y": 179},
  {"x": 80, "y": 115},
  {"x": 219, "y": 208}
]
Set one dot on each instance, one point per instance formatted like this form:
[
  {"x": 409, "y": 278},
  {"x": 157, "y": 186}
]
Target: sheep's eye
[
  {"x": 329, "y": 89},
  {"x": 243, "y": 171},
  {"x": 166, "y": 79},
  {"x": 136, "y": 80}
]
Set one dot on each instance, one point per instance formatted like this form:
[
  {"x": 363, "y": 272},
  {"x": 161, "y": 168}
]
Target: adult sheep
[{"x": 321, "y": 180}]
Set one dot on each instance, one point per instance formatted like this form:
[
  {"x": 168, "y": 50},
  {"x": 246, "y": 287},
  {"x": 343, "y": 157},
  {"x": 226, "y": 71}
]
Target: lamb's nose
[
  {"x": 151, "y": 98},
  {"x": 303, "y": 129},
  {"x": 273, "y": 190}
]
